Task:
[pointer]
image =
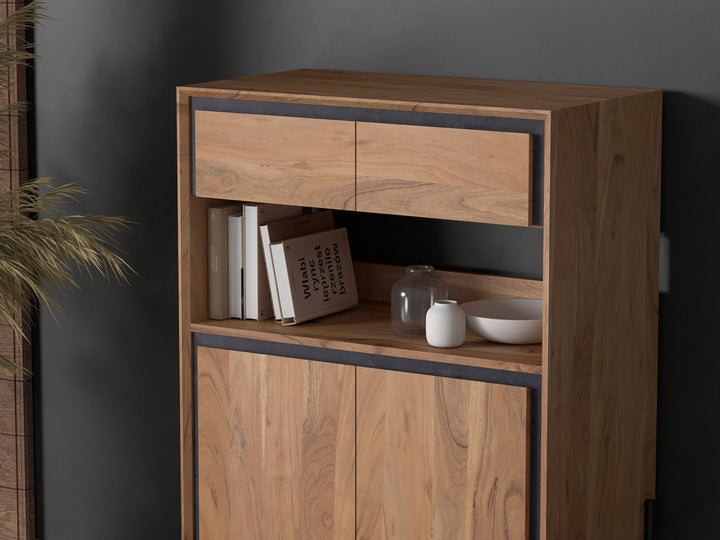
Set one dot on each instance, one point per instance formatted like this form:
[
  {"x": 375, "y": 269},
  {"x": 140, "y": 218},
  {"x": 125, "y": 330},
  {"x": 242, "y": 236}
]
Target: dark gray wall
[{"x": 107, "y": 422}]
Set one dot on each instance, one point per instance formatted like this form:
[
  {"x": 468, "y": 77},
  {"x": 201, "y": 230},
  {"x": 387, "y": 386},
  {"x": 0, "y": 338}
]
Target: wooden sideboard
[{"x": 341, "y": 428}]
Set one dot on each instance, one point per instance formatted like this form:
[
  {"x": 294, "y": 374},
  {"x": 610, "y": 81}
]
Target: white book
[
  {"x": 277, "y": 231},
  {"x": 282, "y": 277},
  {"x": 258, "y": 303},
  {"x": 235, "y": 265}
]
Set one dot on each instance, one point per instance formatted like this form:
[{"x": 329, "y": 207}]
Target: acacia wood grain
[
  {"x": 368, "y": 329},
  {"x": 375, "y": 281},
  {"x": 187, "y": 268},
  {"x": 622, "y": 472},
  {"x": 261, "y": 158},
  {"x": 440, "y": 458},
  {"x": 411, "y": 92},
  {"x": 276, "y": 447},
  {"x": 599, "y": 381},
  {"x": 447, "y": 173},
  {"x": 599, "y": 353}
]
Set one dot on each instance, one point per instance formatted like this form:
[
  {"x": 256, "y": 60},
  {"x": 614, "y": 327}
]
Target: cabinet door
[
  {"x": 276, "y": 454},
  {"x": 284, "y": 160},
  {"x": 440, "y": 458},
  {"x": 445, "y": 173}
]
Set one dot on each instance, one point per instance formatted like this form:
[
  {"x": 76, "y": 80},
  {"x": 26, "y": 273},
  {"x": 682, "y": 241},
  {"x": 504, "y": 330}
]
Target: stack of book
[{"x": 274, "y": 261}]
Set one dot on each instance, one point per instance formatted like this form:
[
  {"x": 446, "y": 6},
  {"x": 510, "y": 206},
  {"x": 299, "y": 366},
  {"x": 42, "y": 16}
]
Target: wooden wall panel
[
  {"x": 17, "y": 499},
  {"x": 8, "y": 461},
  {"x": 9, "y": 527},
  {"x": 17, "y": 481},
  {"x": 441, "y": 458},
  {"x": 276, "y": 447},
  {"x": 16, "y": 461},
  {"x": 375, "y": 281},
  {"x": 7, "y": 406},
  {"x": 16, "y": 395},
  {"x": 17, "y": 514}
]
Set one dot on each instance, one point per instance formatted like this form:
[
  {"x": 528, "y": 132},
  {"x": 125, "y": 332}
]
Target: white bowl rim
[{"x": 535, "y": 303}]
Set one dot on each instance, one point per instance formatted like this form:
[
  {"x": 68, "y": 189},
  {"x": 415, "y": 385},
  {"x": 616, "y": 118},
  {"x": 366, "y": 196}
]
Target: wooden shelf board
[{"x": 368, "y": 329}]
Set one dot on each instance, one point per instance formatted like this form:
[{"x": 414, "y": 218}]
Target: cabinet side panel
[
  {"x": 601, "y": 263},
  {"x": 625, "y": 351},
  {"x": 185, "y": 369},
  {"x": 569, "y": 304},
  {"x": 440, "y": 458},
  {"x": 276, "y": 447}
]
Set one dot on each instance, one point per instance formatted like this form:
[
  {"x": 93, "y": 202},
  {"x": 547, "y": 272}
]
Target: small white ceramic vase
[{"x": 445, "y": 324}]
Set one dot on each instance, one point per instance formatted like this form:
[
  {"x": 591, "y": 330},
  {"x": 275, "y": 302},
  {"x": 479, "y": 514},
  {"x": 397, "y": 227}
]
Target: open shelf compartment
[{"x": 368, "y": 328}]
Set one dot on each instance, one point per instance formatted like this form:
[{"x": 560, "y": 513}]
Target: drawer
[
  {"x": 447, "y": 173},
  {"x": 284, "y": 160}
]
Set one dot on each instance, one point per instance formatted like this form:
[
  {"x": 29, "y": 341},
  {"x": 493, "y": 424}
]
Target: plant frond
[
  {"x": 33, "y": 257},
  {"x": 20, "y": 20},
  {"x": 10, "y": 57},
  {"x": 39, "y": 256}
]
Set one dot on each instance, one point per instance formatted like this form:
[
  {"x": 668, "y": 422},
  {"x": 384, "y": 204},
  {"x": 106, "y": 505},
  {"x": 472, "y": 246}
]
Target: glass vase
[{"x": 412, "y": 295}]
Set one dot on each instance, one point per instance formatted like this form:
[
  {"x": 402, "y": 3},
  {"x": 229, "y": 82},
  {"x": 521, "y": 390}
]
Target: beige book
[
  {"x": 282, "y": 230},
  {"x": 218, "y": 295},
  {"x": 314, "y": 275}
]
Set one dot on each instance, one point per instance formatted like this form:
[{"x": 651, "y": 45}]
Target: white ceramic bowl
[{"x": 506, "y": 320}]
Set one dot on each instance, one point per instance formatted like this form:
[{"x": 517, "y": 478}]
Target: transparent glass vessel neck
[
  {"x": 412, "y": 295},
  {"x": 419, "y": 269}
]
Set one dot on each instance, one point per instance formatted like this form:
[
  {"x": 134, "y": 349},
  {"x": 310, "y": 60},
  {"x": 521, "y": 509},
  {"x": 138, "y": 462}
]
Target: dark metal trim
[
  {"x": 649, "y": 519},
  {"x": 453, "y": 371},
  {"x": 196, "y": 472}
]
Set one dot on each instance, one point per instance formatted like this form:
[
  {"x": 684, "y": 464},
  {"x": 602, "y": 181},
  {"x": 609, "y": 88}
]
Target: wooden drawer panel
[
  {"x": 298, "y": 161},
  {"x": 446, "y": 173},
  {"x": 440, "y": 457}
]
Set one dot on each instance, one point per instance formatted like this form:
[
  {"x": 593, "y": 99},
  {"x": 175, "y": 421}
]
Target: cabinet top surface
[{"x": 355, "y": 88}]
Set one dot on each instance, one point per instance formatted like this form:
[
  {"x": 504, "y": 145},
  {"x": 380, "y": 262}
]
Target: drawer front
[
  {"x": 446, "y": 173},
  {"x": 284, "y": 160}
]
